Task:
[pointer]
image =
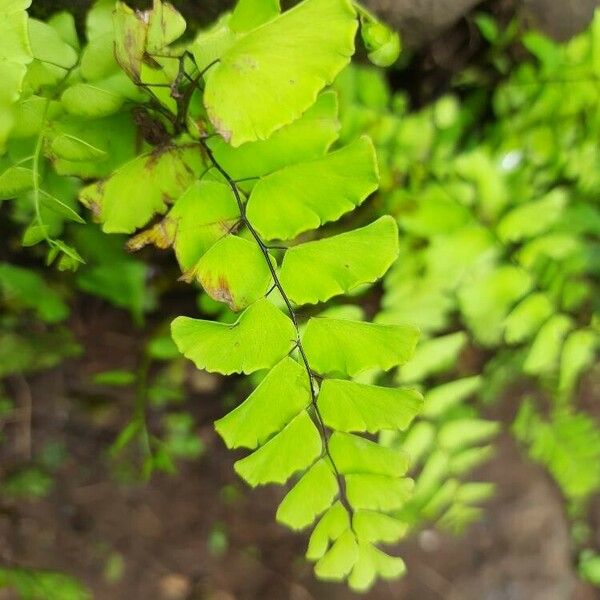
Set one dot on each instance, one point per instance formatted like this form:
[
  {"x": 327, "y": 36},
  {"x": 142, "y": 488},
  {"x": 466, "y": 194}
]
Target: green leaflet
[
  {"x": 317, "y": 271},
  {"x": 532, "y": 218},
  {"x": 377, "y": 492},
  {"x": 14, "y": 181},
  {"x": 486, "y": 301},
  {"x": 568, "y": 445},
  {"x": 312, "y": 193},
  {"x": 340, "y": 558},
  {"x": 211, "y": 43},
  {"x": 203, "y": 214},
  {"x": 99, "y": 19},
  {"x": 130, "y": 39},
  {"x": 350, "y": 406},
  {"x": 261, "y": 337},
  {"x": 92, "y": 101},
  {"x": 313, "y": 494},
  {"x": 442, "y": 398},
  {"x": 234, "y": 271},
  {"x": 579, "y": 352},
  {"x": 98, "y": 57},
  {"x": 307, "y": 138},
  {"x": 433, "y": 356},
  {"x": 294, "y": 448},
  {"x": 75, "y": 149},
  {"x": 29, "y": 115},
  {"x": 349, "y": 347},
  {"x": 22, "y": 288},
  {"x": 130, "y": 197},
  {"x": 527, "y": 317},
  {"x": 373, "y": 526},
  {"x": 331, "y": 525},
  {"x": 48, "y": 47},
  {"x": 165, "y": 25},
  {"x": 371, "y": 563},
  {"x": 354, "y": 454},
  {"x": 545, "y": 350},
  {"x": 282, "y": 65},
  {"x": 280, "y": 396},
  {"x": 249, "y": 14},
  {"x": 457, "y": 434},
  {"x": 15, "y": 55},
  {"x": 114, "y": 136}
]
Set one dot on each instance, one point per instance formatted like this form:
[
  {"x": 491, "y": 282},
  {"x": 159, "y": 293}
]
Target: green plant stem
[{"x": 35, "y": 177}]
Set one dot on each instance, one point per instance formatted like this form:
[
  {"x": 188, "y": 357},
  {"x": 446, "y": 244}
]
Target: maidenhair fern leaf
[
  {"x": 486, "y": 301},
  {"x": 377, "y": 492},
  {"x": 442, "y": 398},
  {"x": 460, "y": 433},
  {"x": 279, "y": 397},
  {"x": 372, "y": 563},
  {"x": 337, "y": 563},
  {"x": 295, "y": 448},
  {"x": 375, "y": 527},
  {"x": 579, "y": 352},
  {"x": 329, "y": 528},
  {"x": 545, "y": 351},
  {"x": 249, "y": 14},
  {"x": 204, "y": 213},
  {"x": 141, "y": 188},
  {"x": 317, "y": 271},
  {"x": 307, "y": 138},
  {"x": 433, "y": 356},
  {"x": 282, "y": 65},
  {"x": 91, "y": 100},
  {"x": 165, "y": 25},
  {"x": 312, "y": 193},
  {"x": 350, "y": 406},
  {"x": 349, "y": 347},
  {"x": 48, "y": 47},
  {"x": 130, "y": 30},
  {"x": 527, "y": 317},
  {"x": 15, "y": 55},
  {"x": 234, "y": 271},
  {"x": 261, "y": 337},
  {"x": 313, "y": 494},
  {"x": 354, "y": 454}
]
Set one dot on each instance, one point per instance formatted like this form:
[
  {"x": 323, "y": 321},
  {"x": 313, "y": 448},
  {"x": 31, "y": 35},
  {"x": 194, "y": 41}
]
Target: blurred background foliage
[{"x": 493, "y": 176}]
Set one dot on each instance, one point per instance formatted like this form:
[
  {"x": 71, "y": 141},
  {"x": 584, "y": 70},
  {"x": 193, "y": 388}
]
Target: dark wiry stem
[{"x": 312, "y": 379}]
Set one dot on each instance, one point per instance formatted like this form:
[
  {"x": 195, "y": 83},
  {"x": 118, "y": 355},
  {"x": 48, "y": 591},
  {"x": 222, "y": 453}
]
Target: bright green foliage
[
  {"x": 15, "y": 55},
  {"x": 234, "y": 271},
  {"x": 306, "y": 138},
  {"x": 569, "y": 446},
  {"x": 24, "y": 289},
  {"x": 231, "y": 144},
  {"x": 141, "y": 188},
  {"x": 203, "y": 214},
  {"x": 281, "y": 395},
  {"x": 350, "y": 406},
  {"x": 344, "y": 262},
  {"x": 350, "y": 347},
  {"x": 282, "y": 83},
  {"x": 313, "y": 494},
  {"x": 235, "y": 141},
  {"x": 499, "y": 231},
  {"x": 486, "y": 303},
  {"x": 294, "y": 448},
  {"x": 326, "y": 192},
  {"x": 261, "y": 337}
]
